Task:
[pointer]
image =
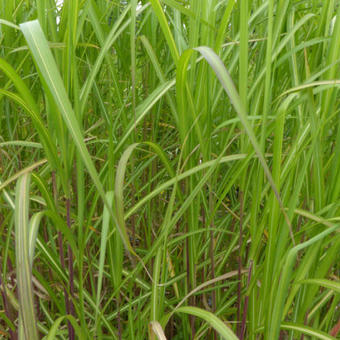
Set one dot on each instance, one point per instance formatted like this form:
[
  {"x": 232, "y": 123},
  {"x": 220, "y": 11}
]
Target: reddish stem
[
  {"x": 336, "y": 329},
  {"x": 246, "y": 301}
]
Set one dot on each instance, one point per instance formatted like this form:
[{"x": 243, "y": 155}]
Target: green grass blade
[
  {"x": 224, "y": 331},
  {"x": 285, "y": 280},
  {"x": 156, "y": 5},
  {"x": 51, "y": 76},
  {"x": 24, "y": 271},
  {"x": 102, "y": 255},
  {"x": 155, "y": 289},
  {"x": 52, "y": 334},
  {"x": 307, "y": 331},
  {"x": 33, "y": 233},
  {"x": 113, "y": 35},
  {"x": 227, "y": 83},
  {"x": 22, "y": 172},
  {"x": 333, "y": 285},
  {"x": 143, "y": 109},
  {"x": 27, "y": 102}
]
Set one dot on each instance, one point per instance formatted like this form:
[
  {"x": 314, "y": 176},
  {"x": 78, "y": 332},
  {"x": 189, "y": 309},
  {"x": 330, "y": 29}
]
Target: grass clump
[{"x": 169, "y": 169}]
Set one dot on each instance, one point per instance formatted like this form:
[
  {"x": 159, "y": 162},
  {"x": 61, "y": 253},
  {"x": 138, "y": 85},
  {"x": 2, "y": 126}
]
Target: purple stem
[
  {"x": 120, "y": 330},
  {"x": 246, "y": 301},
  {"x": 239, "y": 285}
]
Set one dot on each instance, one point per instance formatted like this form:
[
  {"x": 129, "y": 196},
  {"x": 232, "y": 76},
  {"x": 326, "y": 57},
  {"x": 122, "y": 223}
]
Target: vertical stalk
[
  {"x": 246, "y": 300},
  {"x": 266, "y": 289},
  {"x": 239, "y": 284},
  {"x": 243, "y": 89},
  {"x": 70, "y": 270},
  {"x": 62, "y": 257}
]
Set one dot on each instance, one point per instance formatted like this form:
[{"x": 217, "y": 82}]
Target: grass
[{"x": 169, "y": 169}]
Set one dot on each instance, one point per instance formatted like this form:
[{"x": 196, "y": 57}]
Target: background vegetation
[{"x": 169, "y": 168}]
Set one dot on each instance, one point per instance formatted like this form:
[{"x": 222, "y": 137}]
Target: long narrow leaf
[
  {"x": 228, "y": 85},
  {"x": 51, "y": 76},
  {"x": 225, "y": 332},
  {"x": 24, "y": 271}
]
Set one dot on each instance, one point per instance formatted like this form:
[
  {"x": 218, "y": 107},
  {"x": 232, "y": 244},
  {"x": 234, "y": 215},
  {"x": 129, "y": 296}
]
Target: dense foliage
[{"x": 169, "y": 169}]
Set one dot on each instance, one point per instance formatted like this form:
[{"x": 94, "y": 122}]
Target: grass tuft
[{"x": 169, "y": 169}]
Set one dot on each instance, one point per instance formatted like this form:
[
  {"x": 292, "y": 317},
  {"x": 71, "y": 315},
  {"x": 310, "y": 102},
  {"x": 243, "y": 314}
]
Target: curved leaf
[{"x": 212, "y": 320}]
